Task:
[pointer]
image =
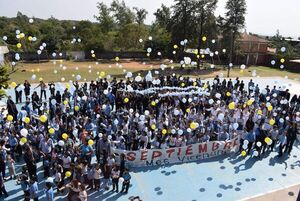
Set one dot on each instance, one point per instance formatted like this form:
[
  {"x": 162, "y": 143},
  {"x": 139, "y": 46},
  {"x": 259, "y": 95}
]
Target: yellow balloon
[
  {"x": 244, "y": 153},
  {"x": 282, "y": 60},
  {"x": 153, "y": 103},
  {"x": 267, "y": 140},
  {"x": 22, "y": 35},
  {"x": 204, "y": 38},
  {"x": 164, "y": 131},
  {"x": 68, "y": 86},
  {"x": 202, "y": 56},
  {"x": 194, "y": 83},
  {"x": 13, "y": 84},
  {"x": 270, "y": 108},
  {"x": 93, "y": 55},
  {"x": 91, "y": 142},
  {"x": 65, "y": 136},
  {"x": 198, "y": 56},
  {"x": 231, "y": 106},
  {"x": 23, "y": 140},
  {"x": 27, "y": 120},
  {"x": 193, "y": 125},
  {"x": 175, "y": 46},
  {"x": 9, "y": 118},
  {"x": 188, "y": 110},
  {"x": 148, "y": 54},
  {"x": 51, "y": 130},
  {"x": 272, "y": 122},
  {"x": 19, "y": 45},
  {"x": 153, "y": 127},
  {"x": 126, "y": 100},
  {"x": 228, "y": 94},
  {"x": 117, "y": 58},
  {"x": 41, "y": 79},
  {"x": 205, "y": 86},
  {"x": 65, "y": 102},
  {"x": 76, "y": 108},
  {"x": 249, "y": 102},
  {"x": 43, "y": 118},
  {"x": 182, "y": 84},
  {"x": 68, "y": 174},
  {"x": 30, "y": 38},
  {"x": 259, "y": 112},
  {"x": 102, "y": 74}
]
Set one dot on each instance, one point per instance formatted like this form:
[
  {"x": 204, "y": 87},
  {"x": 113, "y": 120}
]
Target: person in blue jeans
[{"x": 49, "y": 192}]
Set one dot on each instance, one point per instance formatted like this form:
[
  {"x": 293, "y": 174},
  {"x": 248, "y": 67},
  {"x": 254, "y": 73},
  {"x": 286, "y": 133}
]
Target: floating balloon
[
  {"x": 27, "y": 120},
  {"x": 68, "y": 174},
  {"x": 244, "y": 153},
  {"x": 164, "y": 131},
  {"x": 270, "y": 108},
  {"x": 24, "y": 132},
  {"x": 76, "y": 108},
  {"x": 64, "y": 136},
  {"x": 126, "y": 100},
  {"x": 121, "y": 179},
  {"x": 258, "y": 144},
  {"x": 19, "y": 45},
  {"x": 255, "y": 153},
  {"x": 272, "y": 122},
  {"x": 153, "y": 126},
  {"x": 10, "y": 118},
  {"x": 235, "y": 125},
  {"x": 231, "y": 106},
  {"x": 51, "y": 130},
  {"x": 90, "y": 142},
  {"x": 23, "y": 140}
]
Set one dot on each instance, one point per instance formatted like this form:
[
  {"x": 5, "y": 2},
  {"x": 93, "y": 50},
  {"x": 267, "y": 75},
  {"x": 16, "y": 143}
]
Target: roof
[
  {"x": 251, "y": 38},
  {"x": 4, "y": 50}
]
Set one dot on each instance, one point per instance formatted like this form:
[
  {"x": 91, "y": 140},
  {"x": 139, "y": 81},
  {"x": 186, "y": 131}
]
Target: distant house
[
  {"x": 254, "y": 50},
  {"x": 3, "y": 50}
]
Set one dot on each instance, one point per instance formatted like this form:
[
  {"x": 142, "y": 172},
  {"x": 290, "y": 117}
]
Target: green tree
[
  {"x": 204, "y": 16},
  {"x": 140, "y": 15},
  {"x": 4, "y": 78},
  {"x": 163, "y": 16},
  {"x": 234, "y": 22},
  {"x": 121, "y": 13},
  {"x": 105, "y": 18}
]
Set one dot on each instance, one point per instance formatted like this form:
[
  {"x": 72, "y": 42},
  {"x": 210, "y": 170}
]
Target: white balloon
[
  {"x": 149, "y": 50},
  {"x": 78, "y": 77},
  {"x": 218, "y": 95},
  {"x": 61, "y": 143},
  {"x": 255, "y": 153},
  {"x": 180, "y": 132},
  {"x": 105, "y": 91},
  {"x": 235, "y": 125},
  {"x": 245, "y": 146},
  {"x": 129, "y": 74},
  {"x": 24, "y": 132},
  {"x": 33, "y": 77},
  {"x": 210, "y": 101},
  {"x": 4, "y": 38},
  {"x": 121, "y": 179},
  {"x": 273, "y": 62},
  {"x": 53, "y": 102},
  {"x": 176, "y": 112},
  {"x": 116, "y": 122},
  {"x": 147, "y": 112},
  {"x": 221, "y": 116},
  {"x": 258, "y": 144},
  {"x": 246, "y": 142}
]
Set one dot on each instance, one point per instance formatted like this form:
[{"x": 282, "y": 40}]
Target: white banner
[{"x": 194, "y": 152}]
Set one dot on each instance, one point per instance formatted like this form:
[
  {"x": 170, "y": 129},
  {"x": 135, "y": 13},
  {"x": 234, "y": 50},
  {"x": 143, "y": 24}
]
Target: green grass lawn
[{"x": 91, "y": 70}]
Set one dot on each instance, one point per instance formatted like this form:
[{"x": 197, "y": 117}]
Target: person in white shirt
[
  {"x": 115, "y": 174},
  {"x": 97, "y": 175}
]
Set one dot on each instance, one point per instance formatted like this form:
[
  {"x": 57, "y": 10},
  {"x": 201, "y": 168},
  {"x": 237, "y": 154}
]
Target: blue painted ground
[{"x": 223, "y": 178}]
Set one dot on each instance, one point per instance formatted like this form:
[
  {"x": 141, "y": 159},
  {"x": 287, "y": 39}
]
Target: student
[
  {"x": 34, "y": 189},
  {"x": 82, "y": 194},
  {"x": 11, "y": 167},
  {"x": 2, "y": 187},
  {"x": 49, "y": 192},
  {"x": 97, "y": 175},
  {"x": 115, "y": 174},
  {"x": 282, "y": 143},
  {"x": 126, "y": 182}
]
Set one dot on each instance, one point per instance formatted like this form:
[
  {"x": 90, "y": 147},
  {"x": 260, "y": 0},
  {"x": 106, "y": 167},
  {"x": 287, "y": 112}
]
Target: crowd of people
[{"x": 73, "y": 132}]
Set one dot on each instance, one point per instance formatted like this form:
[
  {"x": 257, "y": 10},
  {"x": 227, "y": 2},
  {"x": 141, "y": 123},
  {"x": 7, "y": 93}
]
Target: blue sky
[{"x": 263, "y": 16}]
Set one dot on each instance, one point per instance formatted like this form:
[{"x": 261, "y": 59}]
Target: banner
[{"x": 194, "y": 152}]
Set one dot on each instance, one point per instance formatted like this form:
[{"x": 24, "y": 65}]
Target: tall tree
[
  {"x": 4, "y": 78},
  {"x": 204, "y": 12},
  {"x": 234, "y": 22},
  {"x": 163, "y": 16},
  {"x": 105, "y": 19},
  {"x": 122, "y": 14},
  {"x": 140, "y": 15}
]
